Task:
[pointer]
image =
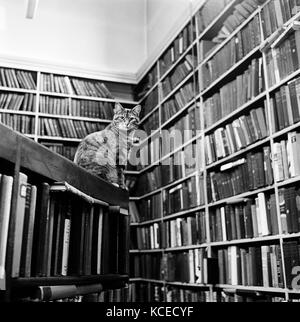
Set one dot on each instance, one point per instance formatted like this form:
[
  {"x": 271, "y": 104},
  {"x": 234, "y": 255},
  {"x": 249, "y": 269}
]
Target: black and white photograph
[{"x": 149, "y": 154}]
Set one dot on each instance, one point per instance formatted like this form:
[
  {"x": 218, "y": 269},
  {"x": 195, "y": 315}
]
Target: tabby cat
[{"x": 105, "y": 153}]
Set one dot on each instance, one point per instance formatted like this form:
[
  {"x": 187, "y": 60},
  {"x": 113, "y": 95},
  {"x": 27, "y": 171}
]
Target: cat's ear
[
  {"x": 118, "y": 108},
  {"x": 136, "y": 110}
]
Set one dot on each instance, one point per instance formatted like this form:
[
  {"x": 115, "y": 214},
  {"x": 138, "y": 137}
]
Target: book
[
  {"x": 6, "y": 184},
  {"x": 19, "y": 224}
]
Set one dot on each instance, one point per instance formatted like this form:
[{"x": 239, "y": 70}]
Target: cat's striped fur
[{"x": 105, "y": 153}]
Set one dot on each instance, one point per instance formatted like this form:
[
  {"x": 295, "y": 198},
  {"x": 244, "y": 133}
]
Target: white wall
[
  {"x": 117, "y": 38},
  {"x": 101, "y": 35},
  {"x": 164, "y": 20}
]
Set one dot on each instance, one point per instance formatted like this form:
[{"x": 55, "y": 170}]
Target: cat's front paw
[{"x": 115, "y": 184}]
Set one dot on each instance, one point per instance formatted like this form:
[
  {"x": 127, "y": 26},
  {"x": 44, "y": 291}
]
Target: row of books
[
  {"x": 188, "y": 266},
  {"x": 183, "y": 196},
  {"x": 289, "y": 209},
  {"x": 146, "y": 237},
  {"x": 55, "y": 233},
  {"x": 181, "y": 164},
  {"x": 291, "y": 254},
  {"x": 182, "y": 131},
  {"x": 251, "y": 266},
  {"x": 149, "y": 181},
  {"x": 259, "y": 297},
  {"x": 146, "y": 266},
  {"x": 240, "y": 13},
  {"x": 277, "y": 12},
  {"x": 17, "y": 102},
  {"x": 285, "y": 105},
  {"x": 286, "y": 157},
  {"x": 209, "y": 11},
  {"x": 252, "y": 218},
  {"x": 62, "y": 106},
  {"x": 177, "y": 48},
  {"x": 238, "y": 47},
  {"x": 176, "y": 294},
  {"x": 185, "y": 231},
  {"x": 283, "y": 58},
  {"x": 146, "y": 83},
  {"x": 68, "y": 128},
  {"x": 151, "y": 123},
  {"x": 145, "y": 292},
  {"x": 150, "y": 151},
  {"x": 246, "y": 174},
  {"x": 177, "y": 102},
  {"x": 234, "y": 94},
  {"x": 189, "y": 124},
  {"x": 17, "y": 78},
  {"x": 237, "y": 135},
  {"x": 146, "y": 209},
  {"x": 68, "y": 85},
  {"x": 21, "y": 123},
  {"x": 149, "y": 102},
  {"x": 67, "y": 151},
  {"x": 179, "y": 73}
]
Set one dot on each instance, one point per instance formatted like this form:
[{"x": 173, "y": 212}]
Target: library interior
[{"x": 150, "y": 151}]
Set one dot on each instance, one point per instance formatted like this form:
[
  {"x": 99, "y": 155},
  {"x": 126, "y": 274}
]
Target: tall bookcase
[{"x": 222, "y": 228}]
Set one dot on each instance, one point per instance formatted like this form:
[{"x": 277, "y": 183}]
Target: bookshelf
[
  {"x": 61, "y": 188},
  {"x": 55, "y": 108},
  {"x": 242, "y": 82}
]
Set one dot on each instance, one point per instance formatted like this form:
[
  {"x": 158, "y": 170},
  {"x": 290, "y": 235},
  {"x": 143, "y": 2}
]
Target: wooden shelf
[
  {"x": 44, "y": 162},
  {"x": 106, "y": 280}
]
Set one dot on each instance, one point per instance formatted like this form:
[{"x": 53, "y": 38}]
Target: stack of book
[
  {"x": 178, "y": 74},
  {"x": 68, "y": 128},
  {"x": 277, "y": 12},
  {"x": 175, "y": 294},
  {"x": 285, "y": 105},
  {"x": 147, "y": 208},
  {"x": 17, "y": 102},
  {"x": 237, "y": 135},
  {"x": 150, "y": 181},
  {"x": 181, "y": 196},
  {"x": 17, "y": 78},
  {"x": 21, "y": 123},
  {"x": 234, "y": 94},
  {"x": 146, "y": 237},
  {"x": 93, "y": 109},
  {"x": 186, "y": 267},
  {"x": 152, "y": 123},
  {"x": 251, "y": 266},
  {"x": 240, "y": 13},
  {"x": 84, "y": 108},
  {"x": 178, "y": 47},
  {"x": 146, "y": 266},
  {"x": 210, "y": 10},
  {"x": 62, "y": 149},
  {"x": 150, "y": 102},
  {"x": 289, "y": 209},
  {"x": 252, "y": 218},
  {"x": 291, "y": 250},
  {"x": 286, "y": 157},
  {"x": 56, "y": 232},
  {"x": 181, "y": 98},
  {"x": 146, "y": 83},
  {"x": 145, "y": 292},
  {"x": 238, "y": 47},
  {"x": 287, "y": 46},
  {"x": 243, "y": 175},
  {"x": 185, "y": 231}
]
